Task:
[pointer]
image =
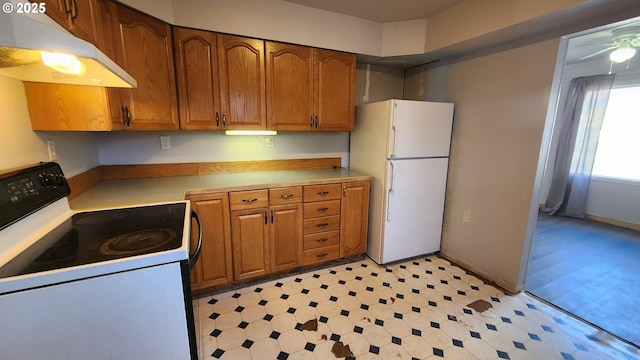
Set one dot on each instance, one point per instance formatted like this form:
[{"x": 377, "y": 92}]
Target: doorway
[{"x": 590, "y": 267}]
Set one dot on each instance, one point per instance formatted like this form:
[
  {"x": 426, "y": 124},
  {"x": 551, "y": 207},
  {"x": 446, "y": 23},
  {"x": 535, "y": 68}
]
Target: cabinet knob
[
  {"x": 249, "y": 200},
  {"x": 217, "y": 119},
  {"x": 323, "y": 193},
  {"x": 322, "y": 255},
  {"x": 286, "y": 196},
  {"x": 322, "y": 209},
  {"x": 316, "y": 121},
  {"x": 311, "y": 122},
  {"x": 323, "y": 225},
  {"x": 322, "y": 240},
  {"x": 224, "y": 120}
]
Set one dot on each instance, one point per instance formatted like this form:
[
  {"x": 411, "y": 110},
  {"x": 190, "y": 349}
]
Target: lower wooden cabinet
[
  {"x": 266, "y": 239},
  {"x": 250, "y": 239},
  {"x": 354, "y": 218},
  {"x": 214, "y": 267},
  {"x": 286, "y": 237},
  {"x": 249, "y": 234}
]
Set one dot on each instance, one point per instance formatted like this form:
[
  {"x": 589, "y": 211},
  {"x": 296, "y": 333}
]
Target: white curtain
[{"x": 579, "y": 131}]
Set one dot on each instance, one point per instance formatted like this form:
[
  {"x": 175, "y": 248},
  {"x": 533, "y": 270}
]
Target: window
[{"x": 618, "y": 152}]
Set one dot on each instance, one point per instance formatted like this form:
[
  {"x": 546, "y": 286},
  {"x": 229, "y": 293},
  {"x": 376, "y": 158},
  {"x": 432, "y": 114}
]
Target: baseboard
[{"x": 615, "y": 222}]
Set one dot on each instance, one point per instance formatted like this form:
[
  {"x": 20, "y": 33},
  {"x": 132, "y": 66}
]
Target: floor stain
[
  {"x": 340, "y": 350},
  {"x": 311, "y": 325},
  {"x": 480, "y": 306}
]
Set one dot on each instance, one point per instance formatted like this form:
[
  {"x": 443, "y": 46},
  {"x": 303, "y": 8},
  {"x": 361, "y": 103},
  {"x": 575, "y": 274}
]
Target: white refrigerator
[{"x": 404, "y": 145}]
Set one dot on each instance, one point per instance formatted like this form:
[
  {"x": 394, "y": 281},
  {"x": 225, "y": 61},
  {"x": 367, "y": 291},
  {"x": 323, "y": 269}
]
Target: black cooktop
[{"x": 96, "y": 236}]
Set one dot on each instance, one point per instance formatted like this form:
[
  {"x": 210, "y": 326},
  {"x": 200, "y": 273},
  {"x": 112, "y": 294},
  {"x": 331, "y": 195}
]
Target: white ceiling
[
  {"x": 580, "y": 45},
  {"x": 382, "y": 10}
]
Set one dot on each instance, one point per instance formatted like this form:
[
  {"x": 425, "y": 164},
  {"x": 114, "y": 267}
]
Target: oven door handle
[{"x": 193, "y": 257}]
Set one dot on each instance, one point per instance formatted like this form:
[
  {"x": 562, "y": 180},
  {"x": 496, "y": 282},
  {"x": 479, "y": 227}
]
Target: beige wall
[
  {"x": 377, "y": 83},
  {"x": 501, "y": 104},
  {"x": 20, "y": 146}
]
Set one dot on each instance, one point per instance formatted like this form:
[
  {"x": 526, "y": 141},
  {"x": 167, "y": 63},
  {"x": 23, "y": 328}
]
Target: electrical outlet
[
  {"x": 165, "y": 142},
  {"x": 466, "y": 216},
  {"x": 53, "y": 155}
]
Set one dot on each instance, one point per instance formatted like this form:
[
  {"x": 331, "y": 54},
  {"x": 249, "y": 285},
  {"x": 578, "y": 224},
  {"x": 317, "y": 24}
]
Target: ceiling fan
[{"x": 625, "y": 42}]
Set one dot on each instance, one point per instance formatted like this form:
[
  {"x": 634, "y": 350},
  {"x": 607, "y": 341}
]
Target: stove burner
[{"x": 137, "y": 242}]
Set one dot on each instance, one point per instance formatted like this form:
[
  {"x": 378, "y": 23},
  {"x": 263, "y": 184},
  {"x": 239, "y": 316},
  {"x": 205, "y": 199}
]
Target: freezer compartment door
[
  {"x": 414, "y": 208},
  {"x": 419, "y": 129}
]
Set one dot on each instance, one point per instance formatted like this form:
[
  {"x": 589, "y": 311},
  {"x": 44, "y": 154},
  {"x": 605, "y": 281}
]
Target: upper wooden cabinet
[
  {"x": 197, "y": 72},
  {"x": 335, "y": 90},
  {"x": 144, "y": 48},
  {"x": 242, "y": 82},
  {"x": 309, "y": 89},
  {"x": 80, "y": 17},
  {"x": 289, "y": 86},
  {"x": 69, "y": 107}
]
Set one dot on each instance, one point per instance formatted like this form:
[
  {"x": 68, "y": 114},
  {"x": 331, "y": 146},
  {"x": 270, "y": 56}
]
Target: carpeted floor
[{"x": 590, "y": 269}]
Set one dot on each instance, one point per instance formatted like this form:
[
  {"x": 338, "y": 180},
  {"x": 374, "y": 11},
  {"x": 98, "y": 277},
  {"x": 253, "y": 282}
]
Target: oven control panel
[{"x": 25, "y": 190}]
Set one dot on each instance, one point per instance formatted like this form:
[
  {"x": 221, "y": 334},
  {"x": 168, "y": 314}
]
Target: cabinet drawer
[
  {"x": 315, "y": 256},
  {"x": 287, "y": 195},
  {"x": 322, "y": 192},
  {"x": 323, "y": 239},
  {"x": 327, "y": 223},
  {"x": 321, "y": 208},
  {"x": 248, "y": 199}
]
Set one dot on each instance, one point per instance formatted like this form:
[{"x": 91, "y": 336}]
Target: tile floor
[{"x": 418, "y": 309}]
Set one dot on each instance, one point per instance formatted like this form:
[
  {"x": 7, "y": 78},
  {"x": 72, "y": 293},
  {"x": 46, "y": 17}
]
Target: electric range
[{"x": 132, "y": 263}]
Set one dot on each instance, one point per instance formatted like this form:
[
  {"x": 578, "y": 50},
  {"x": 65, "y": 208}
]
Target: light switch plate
[
  {"x": 165, "y": 142},
  {"x": 53, "y": 155}
]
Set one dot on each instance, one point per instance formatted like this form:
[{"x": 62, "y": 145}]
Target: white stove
[{"x": 105, "y": 284}]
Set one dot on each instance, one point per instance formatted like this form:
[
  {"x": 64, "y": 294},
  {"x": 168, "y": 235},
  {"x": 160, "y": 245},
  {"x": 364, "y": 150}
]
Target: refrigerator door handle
[
  {"x": 393, "y": 170},
  {"x": 395, "y": 141}
]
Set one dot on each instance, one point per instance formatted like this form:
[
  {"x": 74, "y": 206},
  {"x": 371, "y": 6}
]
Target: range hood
[{"x": 22, "y": 38}]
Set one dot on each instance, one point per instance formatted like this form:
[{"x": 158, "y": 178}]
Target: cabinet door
[
  {"x": 286, "y": 237},
  {"x": 84, "y": 20},
  {"x": 56, "y": 10},
  {"x": 67, "y": 107},
  {"x": 242, "y": 82},
  {"x": 197, "y": 74},
  {"x": 335, "y": 90},
  {"x": 354, "y": 218},
  {"x": 214, "y": 267},
  {"x": 289, "y": 86},
  {"x": 250, "y": 240},
  {"x": 144, "y": 48}
]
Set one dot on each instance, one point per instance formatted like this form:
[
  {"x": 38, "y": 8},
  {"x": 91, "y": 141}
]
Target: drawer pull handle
[
  {"x": 286, "y": 196},
  {"x": 323, "y": 193},
  {"x": 322, "y": 240},
  {"x": 322, "y": 209},
  {"x": 322, "y": 255},
  {"x": 249, "y": 200},
  {"x": 323, "y": 225}
]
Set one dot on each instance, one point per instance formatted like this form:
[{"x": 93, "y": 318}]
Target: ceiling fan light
[{"x": 622, "y": 54}]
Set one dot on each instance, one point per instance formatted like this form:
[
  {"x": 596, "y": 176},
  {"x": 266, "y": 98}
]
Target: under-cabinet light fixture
[
  {"x": 251, "y": 132},
  {"x": 63, "y": 63}
]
